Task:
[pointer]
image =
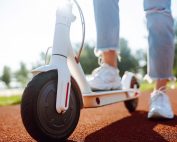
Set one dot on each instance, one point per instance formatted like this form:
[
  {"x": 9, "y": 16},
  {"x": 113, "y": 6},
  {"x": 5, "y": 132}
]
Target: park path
[{"x": 105, "y": 124}]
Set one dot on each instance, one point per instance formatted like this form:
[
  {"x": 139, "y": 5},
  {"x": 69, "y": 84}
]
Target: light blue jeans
[{"x": 159, "y": 25}]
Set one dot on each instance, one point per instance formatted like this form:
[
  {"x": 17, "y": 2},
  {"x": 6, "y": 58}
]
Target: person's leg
[
  {"x": 107, "y": 26},
  {"x": 161, "y": 83},
  {"x": 161, "y": 39},
  {"x": 106, "y": 77},
  {"x": 161, "y": 42},
  {"x": 110, "y": 58}
]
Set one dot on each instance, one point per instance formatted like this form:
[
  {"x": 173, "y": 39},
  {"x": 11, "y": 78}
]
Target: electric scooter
[{"x": 52, "y": 100}]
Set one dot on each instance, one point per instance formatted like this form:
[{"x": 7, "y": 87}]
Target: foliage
[
  {"x": 22, "y": 75},
  {"x": 88, "y": 60},
  {"x": 145, "y": 86},
  {"x": 175, "y": 62},
  {"x": 6, "y": 76},
  {"x": 175, "y": 58},
  {"x": 141, "y": 57},
  {"x": 40, "y": 61},
  {"x": 127, "y": 62},
  {"x": 43, "y": 59}
]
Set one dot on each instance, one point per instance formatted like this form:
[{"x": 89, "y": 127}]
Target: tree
[
  {"x": 127, "y": 61},
  {"x": 22, "y": 75},
  {"x": 43, "y": 59},
  {"x": 6, "y": 76},
  {"x": 175, "y": 59},
  {"x": 141, "y": 57},
  {"x": 88, "y": 60},
  {"x": 175, "y": 62}
]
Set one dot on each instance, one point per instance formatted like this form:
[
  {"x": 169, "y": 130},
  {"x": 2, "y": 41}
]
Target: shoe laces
[
  {"x": 100, "y": 62},
  {"x": 159, "y": 92},
  {"x": 103, "y": 66}
]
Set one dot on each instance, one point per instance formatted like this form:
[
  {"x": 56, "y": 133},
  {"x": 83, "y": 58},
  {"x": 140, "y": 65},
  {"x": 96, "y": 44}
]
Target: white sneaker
[
  {"x": 105, "y": 77},
  {"x": 160, "y": 106}
]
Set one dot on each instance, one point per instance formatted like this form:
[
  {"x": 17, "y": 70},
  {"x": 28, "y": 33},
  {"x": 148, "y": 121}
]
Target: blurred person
[{"x": 160, "y": 51}]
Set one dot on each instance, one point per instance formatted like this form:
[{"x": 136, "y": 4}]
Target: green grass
[
  {"x": 145, "y": 86},
  {"x": 16, "y": 98},
  {"x": 10, "y": 100}
]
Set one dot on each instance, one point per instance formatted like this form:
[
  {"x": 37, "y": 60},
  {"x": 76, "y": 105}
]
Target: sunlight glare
[{"x": 62, "y": 4}]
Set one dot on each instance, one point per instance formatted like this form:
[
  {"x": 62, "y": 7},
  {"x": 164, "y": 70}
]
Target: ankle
[
  {"x": 110, "y": 58},
  {"x": 161, "y": 85}
]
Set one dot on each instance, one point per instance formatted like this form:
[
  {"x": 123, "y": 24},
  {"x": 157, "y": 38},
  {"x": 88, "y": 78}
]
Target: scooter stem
[{"x": 60, "y": 52}]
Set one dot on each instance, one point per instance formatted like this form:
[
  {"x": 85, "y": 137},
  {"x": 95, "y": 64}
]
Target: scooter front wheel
[{"x": 38, "y": 109}]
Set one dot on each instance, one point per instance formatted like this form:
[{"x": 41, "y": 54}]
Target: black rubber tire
[
  {"x": 38, "y": 111},
  {"x": 132, "y": 104}
]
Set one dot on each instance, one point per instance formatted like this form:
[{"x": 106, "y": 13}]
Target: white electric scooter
[{"x": 52, "y": 100}]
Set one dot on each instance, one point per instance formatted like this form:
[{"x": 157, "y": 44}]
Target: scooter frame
[{"x": 66, "y": 63}]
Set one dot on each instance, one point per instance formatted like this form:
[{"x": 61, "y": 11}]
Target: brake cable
[{"x": 83, "y": 29}]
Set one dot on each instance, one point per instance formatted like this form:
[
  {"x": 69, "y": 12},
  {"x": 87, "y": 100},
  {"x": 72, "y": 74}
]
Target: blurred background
[{"x": 27, "y": 28}]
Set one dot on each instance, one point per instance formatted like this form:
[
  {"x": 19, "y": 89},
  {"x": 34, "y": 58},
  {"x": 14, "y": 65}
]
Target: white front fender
[
  {"x": 126, "y": 80},
  {"x": 44, "y": 68},
  {"x": 64, "y": 81}
]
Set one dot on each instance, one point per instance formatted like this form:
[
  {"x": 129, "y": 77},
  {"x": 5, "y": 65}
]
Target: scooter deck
[{"x": 101, "y": 98}]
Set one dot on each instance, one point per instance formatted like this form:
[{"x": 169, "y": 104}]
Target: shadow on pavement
[{"x": 135, "y": 128}]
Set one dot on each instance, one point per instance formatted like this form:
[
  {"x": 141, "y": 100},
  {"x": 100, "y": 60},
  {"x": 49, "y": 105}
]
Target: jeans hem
[
  {"x": 98, "y": 52},
  {"x": 151, "y": 79}
]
